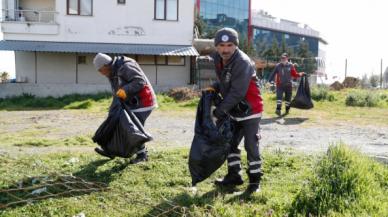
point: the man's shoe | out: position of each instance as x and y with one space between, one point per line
139 158
101 152
278 112
229 180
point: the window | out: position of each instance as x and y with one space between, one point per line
122 2
146 59
81 59
80 7
176 61
166 9
161 60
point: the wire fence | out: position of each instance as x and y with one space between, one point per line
35 189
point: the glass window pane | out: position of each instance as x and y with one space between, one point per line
86 7
159 8
172 9
73 7
146 59
176 60
161 60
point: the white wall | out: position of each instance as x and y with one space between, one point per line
61 68
113 23
87 74
56 68
25 70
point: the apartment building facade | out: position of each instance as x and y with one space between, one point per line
55 41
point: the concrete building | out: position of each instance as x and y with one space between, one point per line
55 41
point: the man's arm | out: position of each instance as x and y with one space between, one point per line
134 76
294 73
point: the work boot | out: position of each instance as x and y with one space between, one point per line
231 179
102 152
139 158
254 183
287 111
278 112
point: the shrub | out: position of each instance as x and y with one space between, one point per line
322 94
362 99
344 182
182 94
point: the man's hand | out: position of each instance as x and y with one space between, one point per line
301 74
217 113
121 94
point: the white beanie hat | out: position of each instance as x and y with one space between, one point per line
101 60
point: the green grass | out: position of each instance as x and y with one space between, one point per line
74 101
326 111
161 185
328 105
344 182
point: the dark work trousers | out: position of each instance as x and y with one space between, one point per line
249 129
287 91
142 116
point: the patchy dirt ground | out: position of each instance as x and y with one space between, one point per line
171 129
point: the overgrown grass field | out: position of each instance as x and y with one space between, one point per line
362 106
339 183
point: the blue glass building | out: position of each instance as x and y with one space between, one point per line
265 37
225 13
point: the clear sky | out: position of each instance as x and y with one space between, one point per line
355 29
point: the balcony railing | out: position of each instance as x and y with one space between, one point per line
35 16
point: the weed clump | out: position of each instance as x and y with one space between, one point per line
344 182
362 99
322 94
182 94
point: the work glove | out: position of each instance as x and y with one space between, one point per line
209 89
217 113
121 94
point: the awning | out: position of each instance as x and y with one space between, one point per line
80 47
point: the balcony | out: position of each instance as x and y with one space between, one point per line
29 22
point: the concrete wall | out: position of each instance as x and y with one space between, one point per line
62 69
113 23
55 90
25 71
56 68
87 73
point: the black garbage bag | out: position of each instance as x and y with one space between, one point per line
210 146
121 134
302 99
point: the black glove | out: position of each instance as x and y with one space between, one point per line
219 114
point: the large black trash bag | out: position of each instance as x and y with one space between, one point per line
121 134
302 99
105 132
210 146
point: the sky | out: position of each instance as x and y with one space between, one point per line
355 30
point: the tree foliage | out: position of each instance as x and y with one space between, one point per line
4 76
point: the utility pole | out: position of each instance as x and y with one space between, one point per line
346 66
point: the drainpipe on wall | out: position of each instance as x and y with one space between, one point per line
36 68
76 68
156 70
